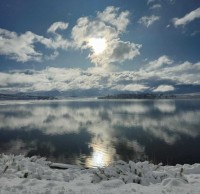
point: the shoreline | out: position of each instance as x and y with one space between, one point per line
19 174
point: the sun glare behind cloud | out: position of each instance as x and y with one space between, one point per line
98 45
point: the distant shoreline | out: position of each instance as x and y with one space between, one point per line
150 96
25 97
124 96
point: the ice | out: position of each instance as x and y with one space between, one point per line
19 174
143 173
172 182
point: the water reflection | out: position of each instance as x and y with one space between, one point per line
165 106
101 156
94 133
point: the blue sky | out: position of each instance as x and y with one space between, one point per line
100 46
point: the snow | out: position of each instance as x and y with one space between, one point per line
19 174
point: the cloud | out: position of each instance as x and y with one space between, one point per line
187 18
158 63
57 42
130 87
117 51
148 20
52 56
195 33
21 47
109 25
186 72
56 26
164 88
151 1
165 68
65 79
159 75
156 6
172 1
61 79
113 17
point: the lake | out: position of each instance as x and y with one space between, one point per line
94 133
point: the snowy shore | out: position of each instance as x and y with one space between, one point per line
19 174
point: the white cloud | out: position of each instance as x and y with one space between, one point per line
56 26
187 18
62 79
156 6
117 51
158 63
57 42
165 68
186 72
19 47
131 87
108 25
151 1
172 1
162 74
195 33
148 20
52 56
169 74
65 79
164 88
112 17
22 47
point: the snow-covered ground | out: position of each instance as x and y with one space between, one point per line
36 175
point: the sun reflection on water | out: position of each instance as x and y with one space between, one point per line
100 157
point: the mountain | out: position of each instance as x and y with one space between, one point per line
24 96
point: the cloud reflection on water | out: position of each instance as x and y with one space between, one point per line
105 122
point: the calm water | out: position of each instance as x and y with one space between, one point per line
97 132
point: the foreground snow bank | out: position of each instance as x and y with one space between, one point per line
143 173
36 175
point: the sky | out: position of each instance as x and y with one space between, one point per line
99 47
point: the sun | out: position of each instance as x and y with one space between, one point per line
98 45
